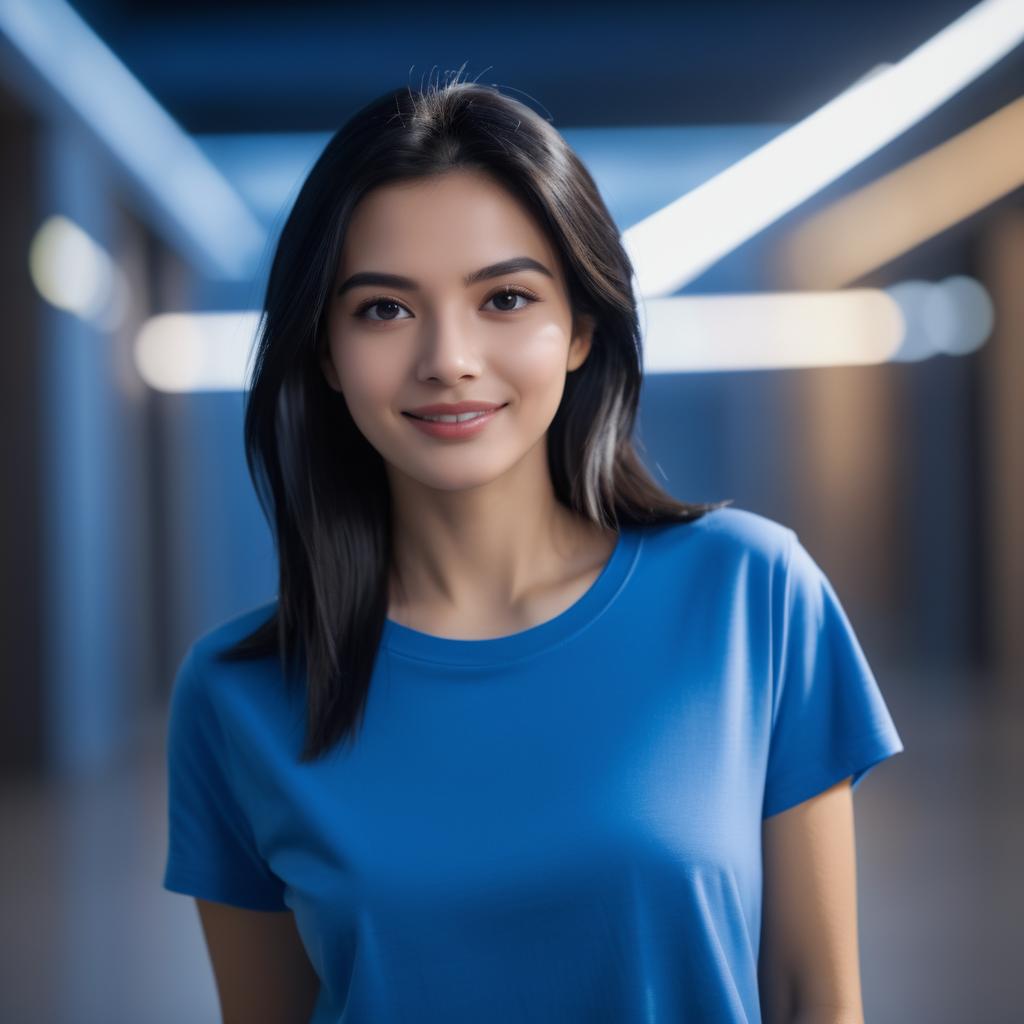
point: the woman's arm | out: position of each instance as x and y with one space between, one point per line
260 966
809 969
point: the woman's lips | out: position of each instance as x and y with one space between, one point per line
457 430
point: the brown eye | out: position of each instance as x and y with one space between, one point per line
506 298
389 308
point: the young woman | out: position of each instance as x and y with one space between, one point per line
522 737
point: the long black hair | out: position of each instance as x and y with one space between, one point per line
321 484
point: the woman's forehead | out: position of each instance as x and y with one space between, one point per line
463 219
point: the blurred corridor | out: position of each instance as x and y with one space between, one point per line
847 359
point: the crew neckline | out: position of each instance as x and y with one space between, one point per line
412 643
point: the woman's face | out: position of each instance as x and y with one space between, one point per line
395 346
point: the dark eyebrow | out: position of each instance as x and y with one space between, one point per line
509 266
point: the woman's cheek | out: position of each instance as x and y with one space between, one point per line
536 357
372 378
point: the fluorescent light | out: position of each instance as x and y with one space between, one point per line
194 201
677 243
196 351
694 334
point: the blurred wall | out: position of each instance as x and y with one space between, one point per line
22 697
1000 455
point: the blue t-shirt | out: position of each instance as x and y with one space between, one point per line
559 825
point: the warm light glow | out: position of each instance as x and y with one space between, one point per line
196 351
676 244
73 272
770 331
867 228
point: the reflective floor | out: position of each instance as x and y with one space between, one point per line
90 937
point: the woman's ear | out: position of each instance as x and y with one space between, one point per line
582 338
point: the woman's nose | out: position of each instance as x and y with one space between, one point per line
449 347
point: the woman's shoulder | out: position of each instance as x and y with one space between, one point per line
727 532
242 689
227 632
203 655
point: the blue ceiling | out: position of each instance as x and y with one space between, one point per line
222 67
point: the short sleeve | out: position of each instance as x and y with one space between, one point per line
211 849
829 719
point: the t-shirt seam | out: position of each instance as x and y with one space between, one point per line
554 646
225 885
186 871
883 731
